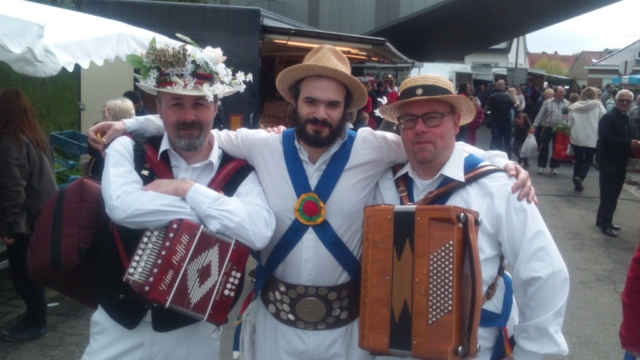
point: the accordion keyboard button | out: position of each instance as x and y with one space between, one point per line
292 293
271 297
300 289
322 291
321 326
286 299
332 296
281 287
272 308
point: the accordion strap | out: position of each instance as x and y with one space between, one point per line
476 174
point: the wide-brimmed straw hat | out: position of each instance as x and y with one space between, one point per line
430 87
324 60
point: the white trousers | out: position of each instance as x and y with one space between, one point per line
265 338
109 340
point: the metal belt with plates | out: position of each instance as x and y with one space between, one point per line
312 307
190 269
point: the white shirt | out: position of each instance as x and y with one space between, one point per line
245 216
309 263
516 229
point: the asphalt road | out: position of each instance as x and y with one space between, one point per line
597 266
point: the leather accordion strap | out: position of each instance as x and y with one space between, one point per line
477 174
401 185
474 285
491 290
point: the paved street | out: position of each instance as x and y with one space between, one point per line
597 265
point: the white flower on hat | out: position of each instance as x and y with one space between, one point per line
214 55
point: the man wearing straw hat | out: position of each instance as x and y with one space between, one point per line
430 115
188 82
318 177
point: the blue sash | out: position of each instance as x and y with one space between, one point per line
323 230
627 356
491 319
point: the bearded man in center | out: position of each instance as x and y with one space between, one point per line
318 177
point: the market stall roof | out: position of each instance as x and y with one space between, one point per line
39 40
358 48
451 29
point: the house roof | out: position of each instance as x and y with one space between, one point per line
626 53
566 60
591 56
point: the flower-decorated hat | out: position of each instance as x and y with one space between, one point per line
187 70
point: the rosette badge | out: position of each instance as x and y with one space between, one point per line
187 70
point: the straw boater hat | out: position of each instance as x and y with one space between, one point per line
433 87
186 70
324 60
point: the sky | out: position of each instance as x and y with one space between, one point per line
613 27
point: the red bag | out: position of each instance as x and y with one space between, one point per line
67 226
561 146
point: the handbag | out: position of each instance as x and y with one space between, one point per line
529 147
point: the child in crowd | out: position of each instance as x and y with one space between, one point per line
520 132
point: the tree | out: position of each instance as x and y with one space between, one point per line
551 66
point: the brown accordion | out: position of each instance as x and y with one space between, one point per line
421 282
190 269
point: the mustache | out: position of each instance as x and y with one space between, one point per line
316 121
189 125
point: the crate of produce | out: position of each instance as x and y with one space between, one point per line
70 141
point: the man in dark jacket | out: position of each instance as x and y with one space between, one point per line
615 132
501 104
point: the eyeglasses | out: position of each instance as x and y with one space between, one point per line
624 101
430 119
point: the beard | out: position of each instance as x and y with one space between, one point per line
190 142
315 138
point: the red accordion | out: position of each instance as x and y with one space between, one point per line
190 269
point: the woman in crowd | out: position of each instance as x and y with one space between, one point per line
27 181
583 121
464 89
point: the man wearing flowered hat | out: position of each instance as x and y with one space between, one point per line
429 115
318 177
188 83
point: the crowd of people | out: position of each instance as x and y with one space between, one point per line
323 161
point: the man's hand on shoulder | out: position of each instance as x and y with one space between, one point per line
179 188
523 182
102 133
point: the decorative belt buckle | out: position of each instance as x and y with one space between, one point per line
311 309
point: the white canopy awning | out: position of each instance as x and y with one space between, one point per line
39 40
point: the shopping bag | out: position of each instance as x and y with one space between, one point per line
560 147
529 147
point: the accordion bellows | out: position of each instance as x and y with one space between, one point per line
190 269
421 282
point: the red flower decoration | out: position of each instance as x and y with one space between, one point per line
310 208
